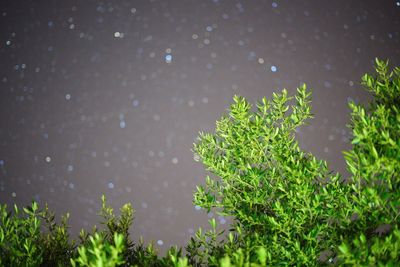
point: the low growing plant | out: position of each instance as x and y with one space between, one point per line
98 252
20 237
287 207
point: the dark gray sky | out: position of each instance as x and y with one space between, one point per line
107 97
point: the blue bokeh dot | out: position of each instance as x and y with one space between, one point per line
122 124
168 58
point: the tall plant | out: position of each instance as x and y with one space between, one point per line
284 199
374 163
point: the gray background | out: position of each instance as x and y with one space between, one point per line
108 96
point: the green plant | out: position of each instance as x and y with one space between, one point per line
374 163
99 252
277 193
55 240
33 238
287 207
94 253
286 200
19 237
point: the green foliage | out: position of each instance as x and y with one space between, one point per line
378 251
112 246
33 238
55 241
278 194
374 163
19 237
99 252
286 200
287 207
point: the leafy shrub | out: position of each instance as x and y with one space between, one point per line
98 252
374 162
19 237
287 207
55 240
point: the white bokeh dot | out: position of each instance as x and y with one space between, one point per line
70 168
122 124
168 58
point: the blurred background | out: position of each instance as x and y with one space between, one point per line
107 97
